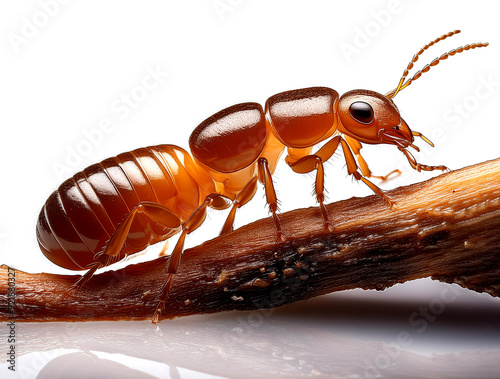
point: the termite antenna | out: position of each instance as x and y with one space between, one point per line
393 93
402 84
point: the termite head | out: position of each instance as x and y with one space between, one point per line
372 118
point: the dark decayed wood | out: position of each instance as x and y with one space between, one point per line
447 228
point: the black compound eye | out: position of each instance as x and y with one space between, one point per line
362 112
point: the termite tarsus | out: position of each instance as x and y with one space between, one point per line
102 214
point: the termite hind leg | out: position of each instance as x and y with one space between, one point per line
161 304
100 260
265 177
154 211
80 283
193 222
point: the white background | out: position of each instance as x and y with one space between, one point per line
66 68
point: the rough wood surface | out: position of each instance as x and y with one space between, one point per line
447 228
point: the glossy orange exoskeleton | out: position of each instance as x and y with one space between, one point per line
104 213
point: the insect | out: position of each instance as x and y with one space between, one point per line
123 204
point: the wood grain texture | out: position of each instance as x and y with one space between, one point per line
447 228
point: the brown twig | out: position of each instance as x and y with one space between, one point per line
447 228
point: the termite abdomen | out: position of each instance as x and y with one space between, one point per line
83 213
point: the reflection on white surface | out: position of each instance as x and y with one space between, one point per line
352 334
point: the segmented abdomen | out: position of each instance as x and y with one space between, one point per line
82 214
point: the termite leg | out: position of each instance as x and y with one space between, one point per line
315 162
100 261
193 222
154 211
320 195
352 169
266 178
373 187
164 249
365 170
308 164
417 166
243 197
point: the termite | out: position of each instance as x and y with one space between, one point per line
123 204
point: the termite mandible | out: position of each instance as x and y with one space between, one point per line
103 213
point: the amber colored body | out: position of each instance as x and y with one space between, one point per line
123 204
81 216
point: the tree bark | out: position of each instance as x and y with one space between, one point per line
446 228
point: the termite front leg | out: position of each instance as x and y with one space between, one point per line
266 178
356 146
154 211
417 166
352 169
194 221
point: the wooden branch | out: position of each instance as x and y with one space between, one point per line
447 228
